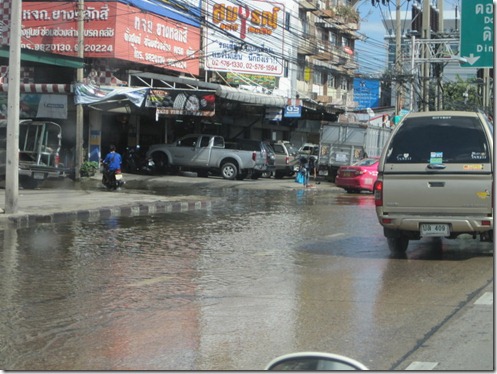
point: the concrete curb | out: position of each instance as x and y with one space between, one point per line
128 210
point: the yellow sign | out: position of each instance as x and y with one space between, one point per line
307 74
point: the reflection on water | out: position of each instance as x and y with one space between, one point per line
226 288
111 287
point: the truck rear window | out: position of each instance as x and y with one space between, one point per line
439 140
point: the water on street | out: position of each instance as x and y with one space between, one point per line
261 274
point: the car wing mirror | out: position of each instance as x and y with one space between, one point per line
310 361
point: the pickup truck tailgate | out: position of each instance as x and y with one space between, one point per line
438 194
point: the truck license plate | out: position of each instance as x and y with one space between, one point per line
38 176
435 229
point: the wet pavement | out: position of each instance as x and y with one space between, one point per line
65 200
268 268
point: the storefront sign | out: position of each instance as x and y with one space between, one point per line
293 111
37 106
111 30
246 38
182 102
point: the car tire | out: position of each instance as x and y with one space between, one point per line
242 175
278 175
229 171
256 175
28 183
160 162
398 244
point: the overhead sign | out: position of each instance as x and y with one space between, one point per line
477 30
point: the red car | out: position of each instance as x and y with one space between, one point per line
359 176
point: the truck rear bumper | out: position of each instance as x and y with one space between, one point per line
457 225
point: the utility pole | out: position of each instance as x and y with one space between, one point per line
14 91
398 59
78 152
440 67
426 34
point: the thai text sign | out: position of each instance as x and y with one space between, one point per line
245 38
111 30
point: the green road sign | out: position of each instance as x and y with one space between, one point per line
477 33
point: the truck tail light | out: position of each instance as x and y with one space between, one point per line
287 160
254 155
57 160
378 193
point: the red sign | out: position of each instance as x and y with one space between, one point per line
111 30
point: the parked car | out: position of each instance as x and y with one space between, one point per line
309 149
257 146
359 176
435 178
204 153
286 157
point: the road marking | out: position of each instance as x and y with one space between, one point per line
419 365
148 282
486 299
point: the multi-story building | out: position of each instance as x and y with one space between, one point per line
325 59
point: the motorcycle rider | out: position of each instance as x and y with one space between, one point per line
111 162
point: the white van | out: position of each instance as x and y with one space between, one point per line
435 178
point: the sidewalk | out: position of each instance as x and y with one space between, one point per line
65 200
87 200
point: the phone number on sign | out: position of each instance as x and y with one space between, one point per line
61 47
243 65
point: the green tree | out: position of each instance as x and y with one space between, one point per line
462 95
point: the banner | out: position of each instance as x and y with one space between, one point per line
33 105
182 102
91 94
52 106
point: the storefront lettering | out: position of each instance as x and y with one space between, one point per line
234 18
89 14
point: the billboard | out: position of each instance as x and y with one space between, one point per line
367 93
111 30
247 39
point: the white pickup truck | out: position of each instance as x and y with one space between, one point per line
237 159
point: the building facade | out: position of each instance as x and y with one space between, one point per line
155 71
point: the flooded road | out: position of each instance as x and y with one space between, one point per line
262 274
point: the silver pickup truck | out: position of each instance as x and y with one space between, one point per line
210 153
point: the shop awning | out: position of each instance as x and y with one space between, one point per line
230 93
42 88
45 58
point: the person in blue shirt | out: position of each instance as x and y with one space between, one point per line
111 163
113 159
